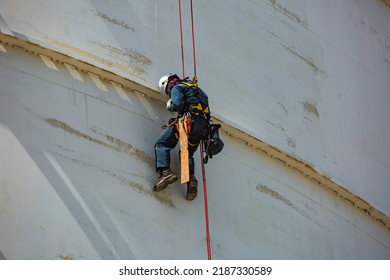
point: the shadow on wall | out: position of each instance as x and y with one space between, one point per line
2 257
41 136
81 201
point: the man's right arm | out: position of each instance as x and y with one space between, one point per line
176 101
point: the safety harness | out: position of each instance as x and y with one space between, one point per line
212 144
201 109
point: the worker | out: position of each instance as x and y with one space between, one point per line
186 98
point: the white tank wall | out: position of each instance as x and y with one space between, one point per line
284 72
77 172
309 77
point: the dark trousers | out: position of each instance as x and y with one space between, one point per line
168 140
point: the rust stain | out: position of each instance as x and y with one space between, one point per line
80 52
266 190
283 107
130 150
277 126
115 21
159 197
61 257
121 67
124 181
58 124
387 2
288 13
135 59
304 59
310 106
291 142
291 15
139 187
116 144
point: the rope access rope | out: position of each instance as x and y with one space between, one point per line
193 39
206 211
181 41
208 240
206 208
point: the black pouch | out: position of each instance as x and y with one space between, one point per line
213 144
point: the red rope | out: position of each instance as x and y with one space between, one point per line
181 41
206 208
193 38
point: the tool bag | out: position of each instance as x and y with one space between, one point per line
212 143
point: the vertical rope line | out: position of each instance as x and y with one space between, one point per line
206 208
181 41
193 38
202 147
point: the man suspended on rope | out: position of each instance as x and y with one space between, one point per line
186 98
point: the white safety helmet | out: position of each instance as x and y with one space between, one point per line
164 82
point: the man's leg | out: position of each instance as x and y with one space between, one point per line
166 142
192 185
193 142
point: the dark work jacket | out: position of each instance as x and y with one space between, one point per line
183 97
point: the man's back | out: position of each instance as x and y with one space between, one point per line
183 96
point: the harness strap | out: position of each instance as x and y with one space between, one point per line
190 84
199 110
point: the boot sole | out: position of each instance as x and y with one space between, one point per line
192 190
171 179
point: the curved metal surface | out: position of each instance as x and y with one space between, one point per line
79 117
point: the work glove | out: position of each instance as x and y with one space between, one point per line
169 103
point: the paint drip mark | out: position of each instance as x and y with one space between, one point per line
310 106
121 67
115 21
62 257
264 189
283 107
139 187
288 13
136 60
67 128
308 61
115 144
127 148
291 143
122 180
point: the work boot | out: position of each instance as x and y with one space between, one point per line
165 178
192 188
